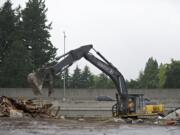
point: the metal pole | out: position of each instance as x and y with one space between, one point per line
64 96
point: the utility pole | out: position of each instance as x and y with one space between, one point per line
64 92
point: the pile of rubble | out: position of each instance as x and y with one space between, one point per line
10 107
173 117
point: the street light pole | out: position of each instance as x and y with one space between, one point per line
64 96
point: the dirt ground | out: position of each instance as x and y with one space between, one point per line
29 126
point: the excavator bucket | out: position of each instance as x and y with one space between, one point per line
35 82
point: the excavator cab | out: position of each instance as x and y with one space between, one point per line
135 103
135 106
138 107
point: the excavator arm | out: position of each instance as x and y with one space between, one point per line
37 78
117 78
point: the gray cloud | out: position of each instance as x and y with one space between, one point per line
126 32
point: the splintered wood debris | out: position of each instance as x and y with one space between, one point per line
10 107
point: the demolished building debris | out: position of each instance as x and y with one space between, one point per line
174 115
22 107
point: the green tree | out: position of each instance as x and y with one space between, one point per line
86 78
15 67
101 81
14 57
76 78
149 78
7 28
36 33
173 75
110 84
162 75
133 84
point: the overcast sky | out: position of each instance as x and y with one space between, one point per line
126 32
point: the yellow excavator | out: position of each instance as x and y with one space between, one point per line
126 105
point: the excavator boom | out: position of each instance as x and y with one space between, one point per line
37 78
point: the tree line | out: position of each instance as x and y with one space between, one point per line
158 76
25 46
83 79
153 76
24 41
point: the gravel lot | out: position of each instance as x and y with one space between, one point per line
27 126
